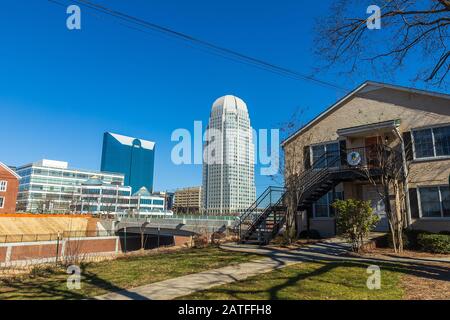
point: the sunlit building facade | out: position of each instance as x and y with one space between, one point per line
228 168
134 158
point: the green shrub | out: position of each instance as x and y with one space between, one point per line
435 243
409 239
310 234
354 220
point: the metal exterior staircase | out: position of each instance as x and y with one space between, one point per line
262 221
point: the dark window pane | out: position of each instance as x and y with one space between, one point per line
333 156
445 193
321 207
442 141
318 156
429 199
423 143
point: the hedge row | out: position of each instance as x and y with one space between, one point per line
425 241
435 243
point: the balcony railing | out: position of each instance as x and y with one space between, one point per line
362 157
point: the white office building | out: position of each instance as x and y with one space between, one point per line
49 186
228 167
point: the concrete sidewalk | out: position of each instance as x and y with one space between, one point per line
275 259
182 286
327 251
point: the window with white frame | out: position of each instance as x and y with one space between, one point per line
325 155
322 208
2 202
3 185
434 202
431 142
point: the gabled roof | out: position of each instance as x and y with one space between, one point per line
366 86
143 192
9 170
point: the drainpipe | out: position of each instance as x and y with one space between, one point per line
405 169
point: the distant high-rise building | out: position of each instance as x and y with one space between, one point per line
228 171
135 158
188 200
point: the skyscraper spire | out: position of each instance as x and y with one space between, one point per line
228 168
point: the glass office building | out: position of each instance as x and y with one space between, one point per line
134 158
98 197
51 186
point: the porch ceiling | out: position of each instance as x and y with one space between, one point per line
370 129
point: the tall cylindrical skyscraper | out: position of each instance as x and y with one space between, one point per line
228 164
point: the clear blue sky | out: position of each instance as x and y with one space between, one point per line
60 89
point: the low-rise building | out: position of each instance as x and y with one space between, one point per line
342 142
51 186
168 198
188 201
9 187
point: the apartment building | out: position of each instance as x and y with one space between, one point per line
341 140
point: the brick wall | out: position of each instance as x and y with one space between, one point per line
90 246
39 251
10 196
3 254
181 241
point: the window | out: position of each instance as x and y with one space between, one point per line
322 208
3 185
2 202
434 202
433 142
325 155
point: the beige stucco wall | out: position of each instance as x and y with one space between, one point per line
414 110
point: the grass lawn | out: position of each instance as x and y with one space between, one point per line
310 281
103 277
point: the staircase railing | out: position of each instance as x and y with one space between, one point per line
268 198
320 170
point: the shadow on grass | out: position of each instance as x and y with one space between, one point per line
45 289
330 256
51 283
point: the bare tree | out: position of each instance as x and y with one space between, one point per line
408 27
292 169
387 169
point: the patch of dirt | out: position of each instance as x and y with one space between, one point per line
280 243
432 284
406 254
419 288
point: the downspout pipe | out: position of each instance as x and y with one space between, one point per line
405 169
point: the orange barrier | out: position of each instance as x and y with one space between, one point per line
38 215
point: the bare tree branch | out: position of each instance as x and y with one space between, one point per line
409 28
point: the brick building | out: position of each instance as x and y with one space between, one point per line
9 187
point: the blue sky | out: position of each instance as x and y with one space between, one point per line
60 89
